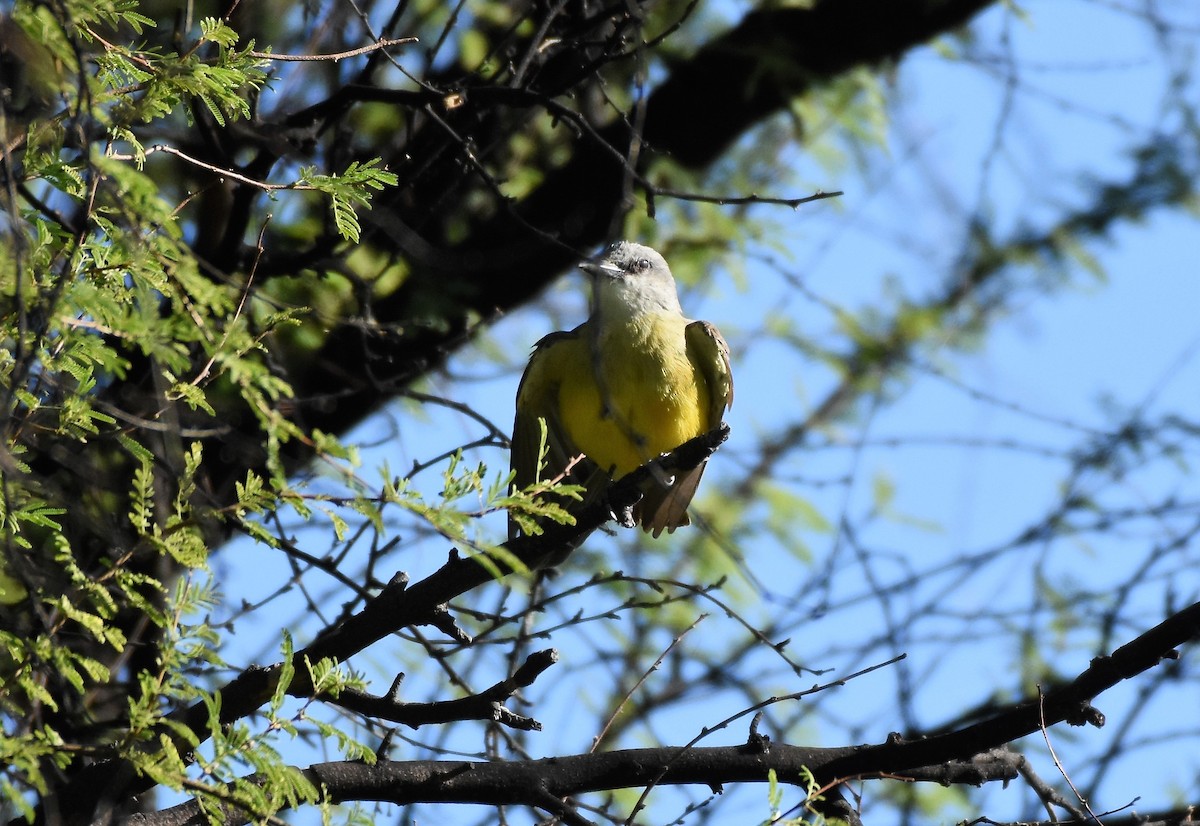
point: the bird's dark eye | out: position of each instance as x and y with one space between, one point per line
642 264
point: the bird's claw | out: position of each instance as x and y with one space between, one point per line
623 515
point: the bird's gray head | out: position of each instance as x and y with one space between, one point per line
635 277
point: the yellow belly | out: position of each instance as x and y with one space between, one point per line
642 398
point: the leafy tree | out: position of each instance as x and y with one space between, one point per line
248 251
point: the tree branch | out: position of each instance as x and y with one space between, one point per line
486 705
529 782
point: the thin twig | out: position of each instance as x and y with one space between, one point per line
228 173
642 679
1054 756
725 200
203 374
300 58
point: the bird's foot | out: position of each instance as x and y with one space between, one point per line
623 515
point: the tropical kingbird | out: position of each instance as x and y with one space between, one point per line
634 381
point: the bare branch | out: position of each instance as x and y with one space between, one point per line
486 705
529 782
302 58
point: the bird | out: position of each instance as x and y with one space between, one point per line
635 380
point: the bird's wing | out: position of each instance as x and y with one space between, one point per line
537 401
665 508
709 352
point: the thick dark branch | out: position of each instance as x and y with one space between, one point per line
531 782
776 54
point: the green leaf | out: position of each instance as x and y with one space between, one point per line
215 31
352 188
287 672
